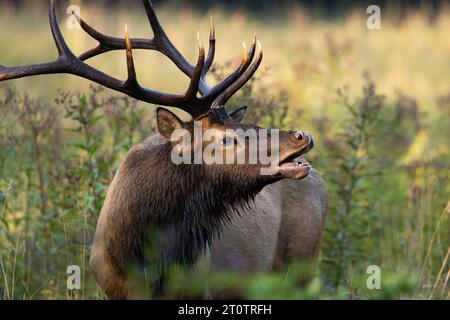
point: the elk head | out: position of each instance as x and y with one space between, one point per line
239 152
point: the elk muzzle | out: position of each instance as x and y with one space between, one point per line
293 144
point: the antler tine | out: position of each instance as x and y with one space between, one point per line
231 90
158 31
211 51
132 79
228 81
191 93
61 44
163 42
107 43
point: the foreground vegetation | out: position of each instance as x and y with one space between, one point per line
380 114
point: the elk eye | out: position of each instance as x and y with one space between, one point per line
227 141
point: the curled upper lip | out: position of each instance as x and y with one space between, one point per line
295 154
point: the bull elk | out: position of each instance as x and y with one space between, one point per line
230 214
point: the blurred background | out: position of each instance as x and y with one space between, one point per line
376 101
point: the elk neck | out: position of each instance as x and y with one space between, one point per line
175 210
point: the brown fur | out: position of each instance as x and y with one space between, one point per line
196 207
284 223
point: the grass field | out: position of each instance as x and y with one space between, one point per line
377 103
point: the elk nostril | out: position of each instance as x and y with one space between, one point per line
299 135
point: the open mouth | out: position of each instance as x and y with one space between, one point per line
294 168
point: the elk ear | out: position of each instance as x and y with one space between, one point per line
167 122
238 114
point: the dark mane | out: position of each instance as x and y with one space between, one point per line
170 213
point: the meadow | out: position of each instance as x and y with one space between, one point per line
376 101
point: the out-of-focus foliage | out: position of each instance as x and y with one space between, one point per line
383 151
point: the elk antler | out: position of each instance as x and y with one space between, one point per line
214 96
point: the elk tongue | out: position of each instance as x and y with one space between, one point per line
292 163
